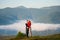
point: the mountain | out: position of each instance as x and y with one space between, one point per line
48 15
7 32
41 15
45 32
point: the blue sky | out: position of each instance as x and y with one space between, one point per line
29 3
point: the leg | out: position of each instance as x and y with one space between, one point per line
27 32
31 32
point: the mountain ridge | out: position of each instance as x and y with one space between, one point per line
41 15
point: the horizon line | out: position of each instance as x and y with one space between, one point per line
21 6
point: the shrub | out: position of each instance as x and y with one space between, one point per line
20 35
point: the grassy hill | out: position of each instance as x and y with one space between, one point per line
21 36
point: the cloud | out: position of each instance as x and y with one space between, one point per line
20 26
43 26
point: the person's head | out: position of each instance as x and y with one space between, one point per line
28 20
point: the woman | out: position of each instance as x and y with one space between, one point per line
28 26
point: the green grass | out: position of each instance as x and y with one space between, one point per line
21 36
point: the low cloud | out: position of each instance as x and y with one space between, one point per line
20 26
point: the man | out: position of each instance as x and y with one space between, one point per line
28 26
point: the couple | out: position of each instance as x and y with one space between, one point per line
28 28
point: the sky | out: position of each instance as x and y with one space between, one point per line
28 3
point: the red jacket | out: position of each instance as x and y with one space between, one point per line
29 23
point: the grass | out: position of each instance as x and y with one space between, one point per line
21 36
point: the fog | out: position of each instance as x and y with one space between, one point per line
20 26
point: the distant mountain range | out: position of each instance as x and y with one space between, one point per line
41 15
45 32
7 32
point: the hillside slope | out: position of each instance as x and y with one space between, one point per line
49 37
